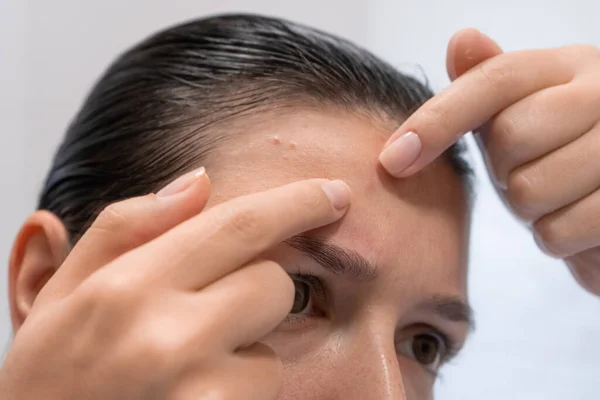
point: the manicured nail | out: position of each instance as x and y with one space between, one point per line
338 193
401 153
182 183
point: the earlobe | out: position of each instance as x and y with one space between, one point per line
40 247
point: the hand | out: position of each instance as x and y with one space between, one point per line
157 301
536 116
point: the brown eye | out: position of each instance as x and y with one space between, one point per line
426 349
301 296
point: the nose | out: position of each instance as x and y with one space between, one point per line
369 370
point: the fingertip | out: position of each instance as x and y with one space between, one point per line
468 48
398 158
461 36
184 182
189 194
339 194
453 45
202 179
200 188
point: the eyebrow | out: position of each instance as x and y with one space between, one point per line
342 261
335 259
451 308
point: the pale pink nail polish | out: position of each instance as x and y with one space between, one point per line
182 183
401 153
338 193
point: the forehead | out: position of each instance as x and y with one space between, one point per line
415 226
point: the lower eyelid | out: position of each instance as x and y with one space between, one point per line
296 323
295 319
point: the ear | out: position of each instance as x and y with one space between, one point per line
40 248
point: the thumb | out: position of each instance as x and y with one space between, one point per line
128 224
466 49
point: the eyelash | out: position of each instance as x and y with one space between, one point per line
315 283
452 346
317 287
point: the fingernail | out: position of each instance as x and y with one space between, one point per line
401 153
182 183
452 70
338 193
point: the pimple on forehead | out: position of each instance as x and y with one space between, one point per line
276 140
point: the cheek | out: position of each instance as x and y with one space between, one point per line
296 347
350 366
418 384
306 363
326 369
371 186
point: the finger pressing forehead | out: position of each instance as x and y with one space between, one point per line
229 235
473 99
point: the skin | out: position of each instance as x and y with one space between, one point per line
179 312
535 114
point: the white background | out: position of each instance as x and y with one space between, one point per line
538 334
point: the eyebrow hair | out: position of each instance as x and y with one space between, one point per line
451 308
341 261
335 259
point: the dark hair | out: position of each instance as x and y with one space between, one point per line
155 111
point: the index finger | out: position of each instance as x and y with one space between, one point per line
468 103
125 225
224 238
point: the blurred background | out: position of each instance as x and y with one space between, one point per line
538 334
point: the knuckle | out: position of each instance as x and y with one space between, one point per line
504 146
581 57
504 135
549 236
521 194
497 73
438 115
160 341
244 222
110 289
159 350
586 50
112 218
163 344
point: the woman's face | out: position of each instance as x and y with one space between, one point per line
380 295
